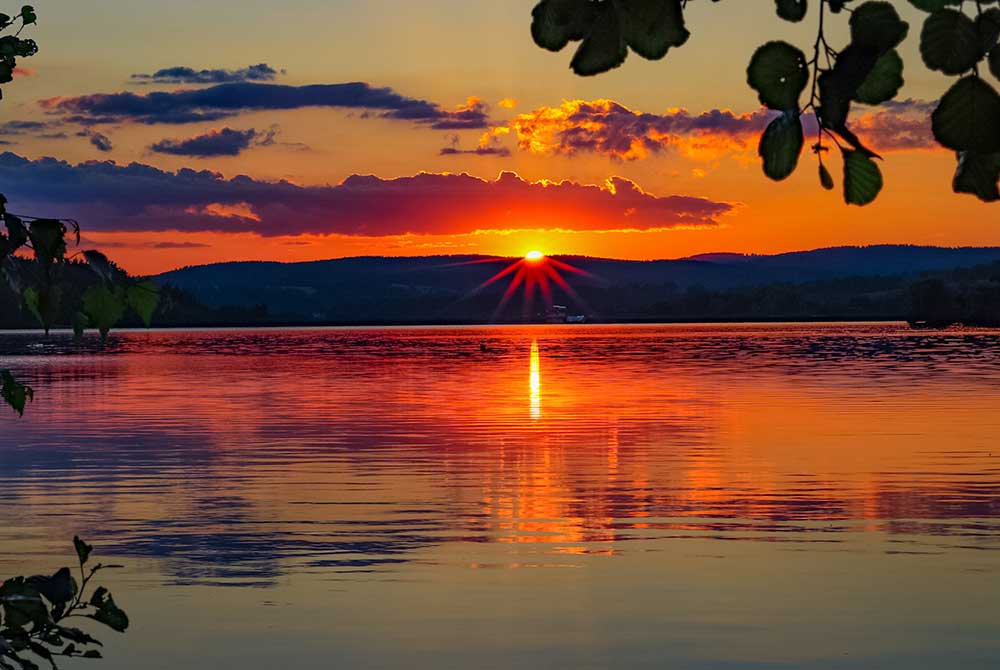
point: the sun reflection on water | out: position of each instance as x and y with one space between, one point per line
535 382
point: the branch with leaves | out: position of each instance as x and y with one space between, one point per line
958 38
34 613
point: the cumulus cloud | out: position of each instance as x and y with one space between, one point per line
187 75
228 100
610 129
105 196
224 142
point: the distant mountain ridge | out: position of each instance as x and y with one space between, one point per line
381 289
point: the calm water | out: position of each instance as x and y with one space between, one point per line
788 496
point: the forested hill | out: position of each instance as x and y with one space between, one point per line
844 281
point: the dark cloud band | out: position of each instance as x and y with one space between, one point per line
105 196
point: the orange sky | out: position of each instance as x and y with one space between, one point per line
529 103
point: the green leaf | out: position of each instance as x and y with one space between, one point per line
33 302
876 25
604 47
778 73
949 42
781 145
932 5
82 550
883 82
978 174
102 267
104 307
28 14
80 324
58 589
143 297
862 178
825 178
792 10
652 27
968 117
14 393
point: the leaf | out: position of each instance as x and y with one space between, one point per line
76 635
652 27
988 29
608 29
58 589
108 612
781 145
778 73
14 393
792 10
22 604
32 302
825 178
17 233
883 82
28 15
978 174
143 297
104 307
48 239
968 117
82 550
80 324
604 47
862 178
102 267
556 23
932 5
876 25
949 42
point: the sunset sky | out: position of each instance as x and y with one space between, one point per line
333 128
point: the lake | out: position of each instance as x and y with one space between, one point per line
721 496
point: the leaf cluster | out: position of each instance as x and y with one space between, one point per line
13 47
34 613
866 71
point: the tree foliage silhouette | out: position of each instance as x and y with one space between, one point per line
868 71
47 239
34 613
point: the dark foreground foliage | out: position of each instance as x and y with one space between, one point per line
958 39
36 614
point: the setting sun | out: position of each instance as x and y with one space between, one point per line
534 256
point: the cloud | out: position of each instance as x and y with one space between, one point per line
228 100
22 127
508 103
610 129
100 141
105 196
187 75
224 142
488 145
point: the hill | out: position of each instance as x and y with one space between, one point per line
853 282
